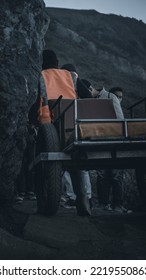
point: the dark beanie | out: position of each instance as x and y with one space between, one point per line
49 59
86 83
69 67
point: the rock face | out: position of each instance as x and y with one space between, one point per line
22 28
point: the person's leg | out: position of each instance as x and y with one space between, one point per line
103 187
68 199
67 184
87 183
21 184
82 202
117 187
29 157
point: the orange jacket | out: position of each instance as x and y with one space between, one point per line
55 82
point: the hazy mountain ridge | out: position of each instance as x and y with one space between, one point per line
102 29
109 50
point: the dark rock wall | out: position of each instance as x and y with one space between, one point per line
23 25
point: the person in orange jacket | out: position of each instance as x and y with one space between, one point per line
54 83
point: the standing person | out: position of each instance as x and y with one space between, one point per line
110 187
82 92
25 187
112 197
53 83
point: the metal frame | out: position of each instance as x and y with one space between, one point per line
118 152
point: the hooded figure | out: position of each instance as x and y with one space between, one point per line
82 90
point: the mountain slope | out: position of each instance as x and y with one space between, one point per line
109 50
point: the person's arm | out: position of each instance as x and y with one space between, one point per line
39 112
82 90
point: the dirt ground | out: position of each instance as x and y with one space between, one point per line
105 235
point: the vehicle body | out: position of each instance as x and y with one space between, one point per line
86 135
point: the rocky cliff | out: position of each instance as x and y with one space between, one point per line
22 28
109 50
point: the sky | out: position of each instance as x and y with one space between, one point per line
130 8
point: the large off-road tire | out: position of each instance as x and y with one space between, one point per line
141 183
48 173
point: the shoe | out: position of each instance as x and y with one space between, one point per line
63 200
70 203
120 209
31 196
108 207
83 207
19 198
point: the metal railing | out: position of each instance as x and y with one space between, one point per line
132 107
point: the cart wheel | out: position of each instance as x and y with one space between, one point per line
141 182
48 173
